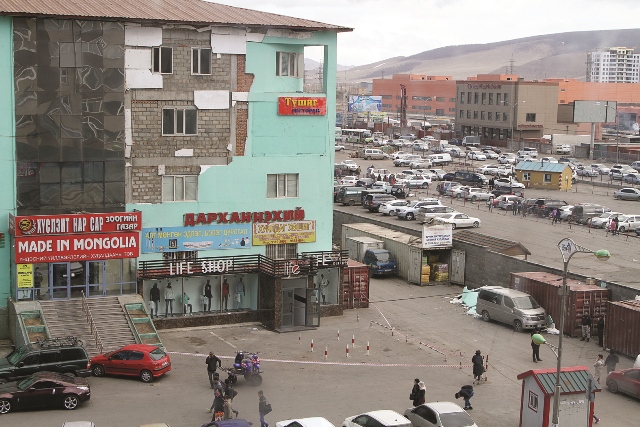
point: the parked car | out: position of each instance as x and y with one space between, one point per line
604 219
439 414
617 174
507 201
442 186
490 154
350 164
42 390
138 360
636 165
507 159
628 223
627 194
488 169
563 149
410 211
459 220
374 154
474 194
507 183
419 181
510 306
406 161
582 213
372 202
471 178
65 355
548 206
304 422
349 180
382 185
399 190
626 381
438 172
565 212
528 151
623 167
421 164
390 208
476 155
381 418
365 182
339 147
586 171
456 191
600 168
399 154
549 159
631 178
570 160
425 213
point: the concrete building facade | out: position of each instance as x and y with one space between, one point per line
613 65
426 95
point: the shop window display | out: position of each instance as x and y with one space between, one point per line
326 283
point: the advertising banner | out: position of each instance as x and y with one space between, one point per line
25 275
198 238
302 106
49 225
439 236
363 103
76 247
277 233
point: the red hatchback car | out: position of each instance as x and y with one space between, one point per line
134 360
626 381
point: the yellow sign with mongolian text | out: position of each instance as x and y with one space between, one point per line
277 233
24 275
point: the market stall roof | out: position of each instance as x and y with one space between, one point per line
495 244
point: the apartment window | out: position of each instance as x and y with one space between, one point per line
179 188
439 111
179 121
452 100
287 64
484 98
531 117
475 97
526 176
462 95
452 109
387 105
490 115
282 185
461 114
475 115
200 60
497 116
387 96
469 98
482 115
162 61
468 114
506 99
505 117
547 177
498 98
421 98
439 98
283 251
491 99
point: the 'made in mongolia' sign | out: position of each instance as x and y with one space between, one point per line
277 233
302 106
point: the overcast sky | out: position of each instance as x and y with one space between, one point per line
387 28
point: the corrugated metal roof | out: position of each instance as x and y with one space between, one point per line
574 379
495 244
384 232
541 166
182 11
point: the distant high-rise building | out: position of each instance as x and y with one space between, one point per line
614 65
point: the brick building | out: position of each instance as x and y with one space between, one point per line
426 95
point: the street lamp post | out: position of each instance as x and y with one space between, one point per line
513 116
568 248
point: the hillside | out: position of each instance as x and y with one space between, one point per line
554 55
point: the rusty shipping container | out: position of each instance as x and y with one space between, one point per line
355 285
582 298
622 326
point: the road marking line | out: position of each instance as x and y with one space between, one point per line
223 340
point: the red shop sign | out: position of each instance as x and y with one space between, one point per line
49 225
302 106
76 247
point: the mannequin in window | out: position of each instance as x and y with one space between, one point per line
225 295
169 296
186 302
154 299
239 293
323 286
207 293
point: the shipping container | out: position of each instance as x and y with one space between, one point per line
355 284
357 246
415 264
622 326
582 298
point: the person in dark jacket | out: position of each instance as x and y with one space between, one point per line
422 393
212 364
414 392
154 296
466 392
535 347
586 327
478 366
601 331
611 361
218 404
262 408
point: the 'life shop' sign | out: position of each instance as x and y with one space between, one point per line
302 106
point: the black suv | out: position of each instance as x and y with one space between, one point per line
64 355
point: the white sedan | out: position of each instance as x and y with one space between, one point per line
381 418
476 155
600 168
488 169
350 164
604 220
490 154
419 181
507 159
349 180
391 208
399 155
507 183
459 220
439 414
474 194
339 147
457 192
440 173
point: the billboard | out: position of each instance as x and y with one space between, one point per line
437 236
277 233
204 237
41 225
594 111
302 106
364 103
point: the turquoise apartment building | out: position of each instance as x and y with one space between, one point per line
158 146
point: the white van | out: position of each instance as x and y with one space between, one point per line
374 154
528 151
440 159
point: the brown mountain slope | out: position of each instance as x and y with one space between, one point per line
552 55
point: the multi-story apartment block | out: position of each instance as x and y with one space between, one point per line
613 65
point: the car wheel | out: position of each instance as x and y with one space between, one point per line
476 224
70 374
615 196
70 402
146 376
392 213
611 385
622 229
351 203
474 198
255 380
5 406
458 196
410 216
425 185
517 326
485 316
97 370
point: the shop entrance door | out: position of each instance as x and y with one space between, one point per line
59 280
287 308
96 273
312 308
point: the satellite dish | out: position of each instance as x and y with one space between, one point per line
636 127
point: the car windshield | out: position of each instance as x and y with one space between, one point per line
525 303
456 419
383 256
16 355
157 354
26 383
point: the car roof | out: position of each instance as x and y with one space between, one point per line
307 422
388 417
141 347
237 422
444 407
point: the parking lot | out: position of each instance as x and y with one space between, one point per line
538 235
301 383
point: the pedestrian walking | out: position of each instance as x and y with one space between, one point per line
516 209
601 331
217 407
478 366
611 361
490 203
264 407
586 326
535 347
228 408
597 420
614 226
422 393
414 392
212 365
467 393
230 391
598 368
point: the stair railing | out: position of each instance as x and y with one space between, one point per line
132 325
92 324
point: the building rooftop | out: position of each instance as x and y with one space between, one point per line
178 11
541 166
573 379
